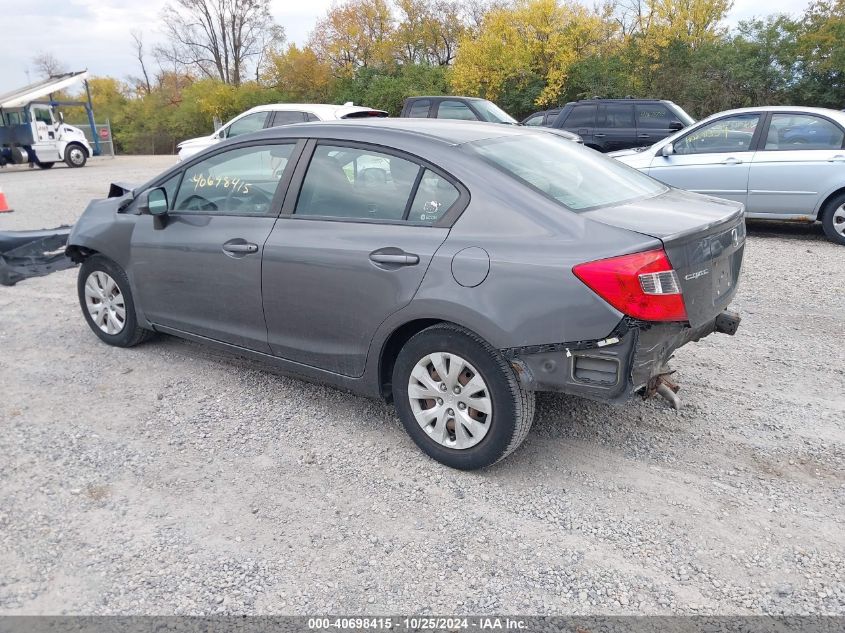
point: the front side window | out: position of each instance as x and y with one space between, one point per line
43 115
455 110
582 116
802 131
347 182
653 117
240 181
535 120
245 125
731 134
419 109
566 172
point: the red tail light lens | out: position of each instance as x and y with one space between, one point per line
641 285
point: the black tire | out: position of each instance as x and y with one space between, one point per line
512 406
833 217
75 155
131 334
45 165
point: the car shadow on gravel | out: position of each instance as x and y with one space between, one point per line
790 230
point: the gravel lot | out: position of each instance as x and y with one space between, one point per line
170 479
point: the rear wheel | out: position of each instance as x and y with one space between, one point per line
75 155
107 304
458 398
833 220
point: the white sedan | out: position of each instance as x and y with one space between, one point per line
273 115
781 162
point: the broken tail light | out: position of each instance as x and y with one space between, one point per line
641 285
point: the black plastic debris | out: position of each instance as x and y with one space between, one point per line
25 254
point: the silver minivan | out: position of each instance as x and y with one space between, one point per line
781 162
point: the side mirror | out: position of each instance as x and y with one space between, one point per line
154 202
667 150
676 125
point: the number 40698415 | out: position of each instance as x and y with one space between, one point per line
235 184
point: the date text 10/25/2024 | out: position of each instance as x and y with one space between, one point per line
416 623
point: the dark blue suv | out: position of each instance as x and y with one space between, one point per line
613 124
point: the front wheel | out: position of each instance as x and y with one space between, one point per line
107 303
459 399
75 155
833 220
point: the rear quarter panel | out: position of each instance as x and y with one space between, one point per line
530 295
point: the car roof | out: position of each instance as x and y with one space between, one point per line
320 109
839 115
448 131
625 100
446 97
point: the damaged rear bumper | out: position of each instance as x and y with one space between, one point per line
632 359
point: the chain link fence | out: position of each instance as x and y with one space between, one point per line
104 136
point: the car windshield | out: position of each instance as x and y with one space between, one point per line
576 177
493 113
683 116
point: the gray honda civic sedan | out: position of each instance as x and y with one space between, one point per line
454 268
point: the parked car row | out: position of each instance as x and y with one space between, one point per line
457 268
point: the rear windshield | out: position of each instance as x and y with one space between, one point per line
363 114
491 112
576 177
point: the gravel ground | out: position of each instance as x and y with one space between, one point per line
170 479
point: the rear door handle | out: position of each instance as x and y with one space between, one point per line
240 247
732 161
643 135
839 158
395 259
599 135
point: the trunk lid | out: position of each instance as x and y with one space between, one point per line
703 237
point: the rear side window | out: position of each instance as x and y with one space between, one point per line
240 181
653 116
618 115
455 110
582 116
802 131
311 117
435 195
286 117
346 182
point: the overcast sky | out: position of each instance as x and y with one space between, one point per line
94 34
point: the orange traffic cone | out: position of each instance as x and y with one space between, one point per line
4 206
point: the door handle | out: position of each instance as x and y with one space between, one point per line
396 259
732 161
240 248
643 135
839 158
599 135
